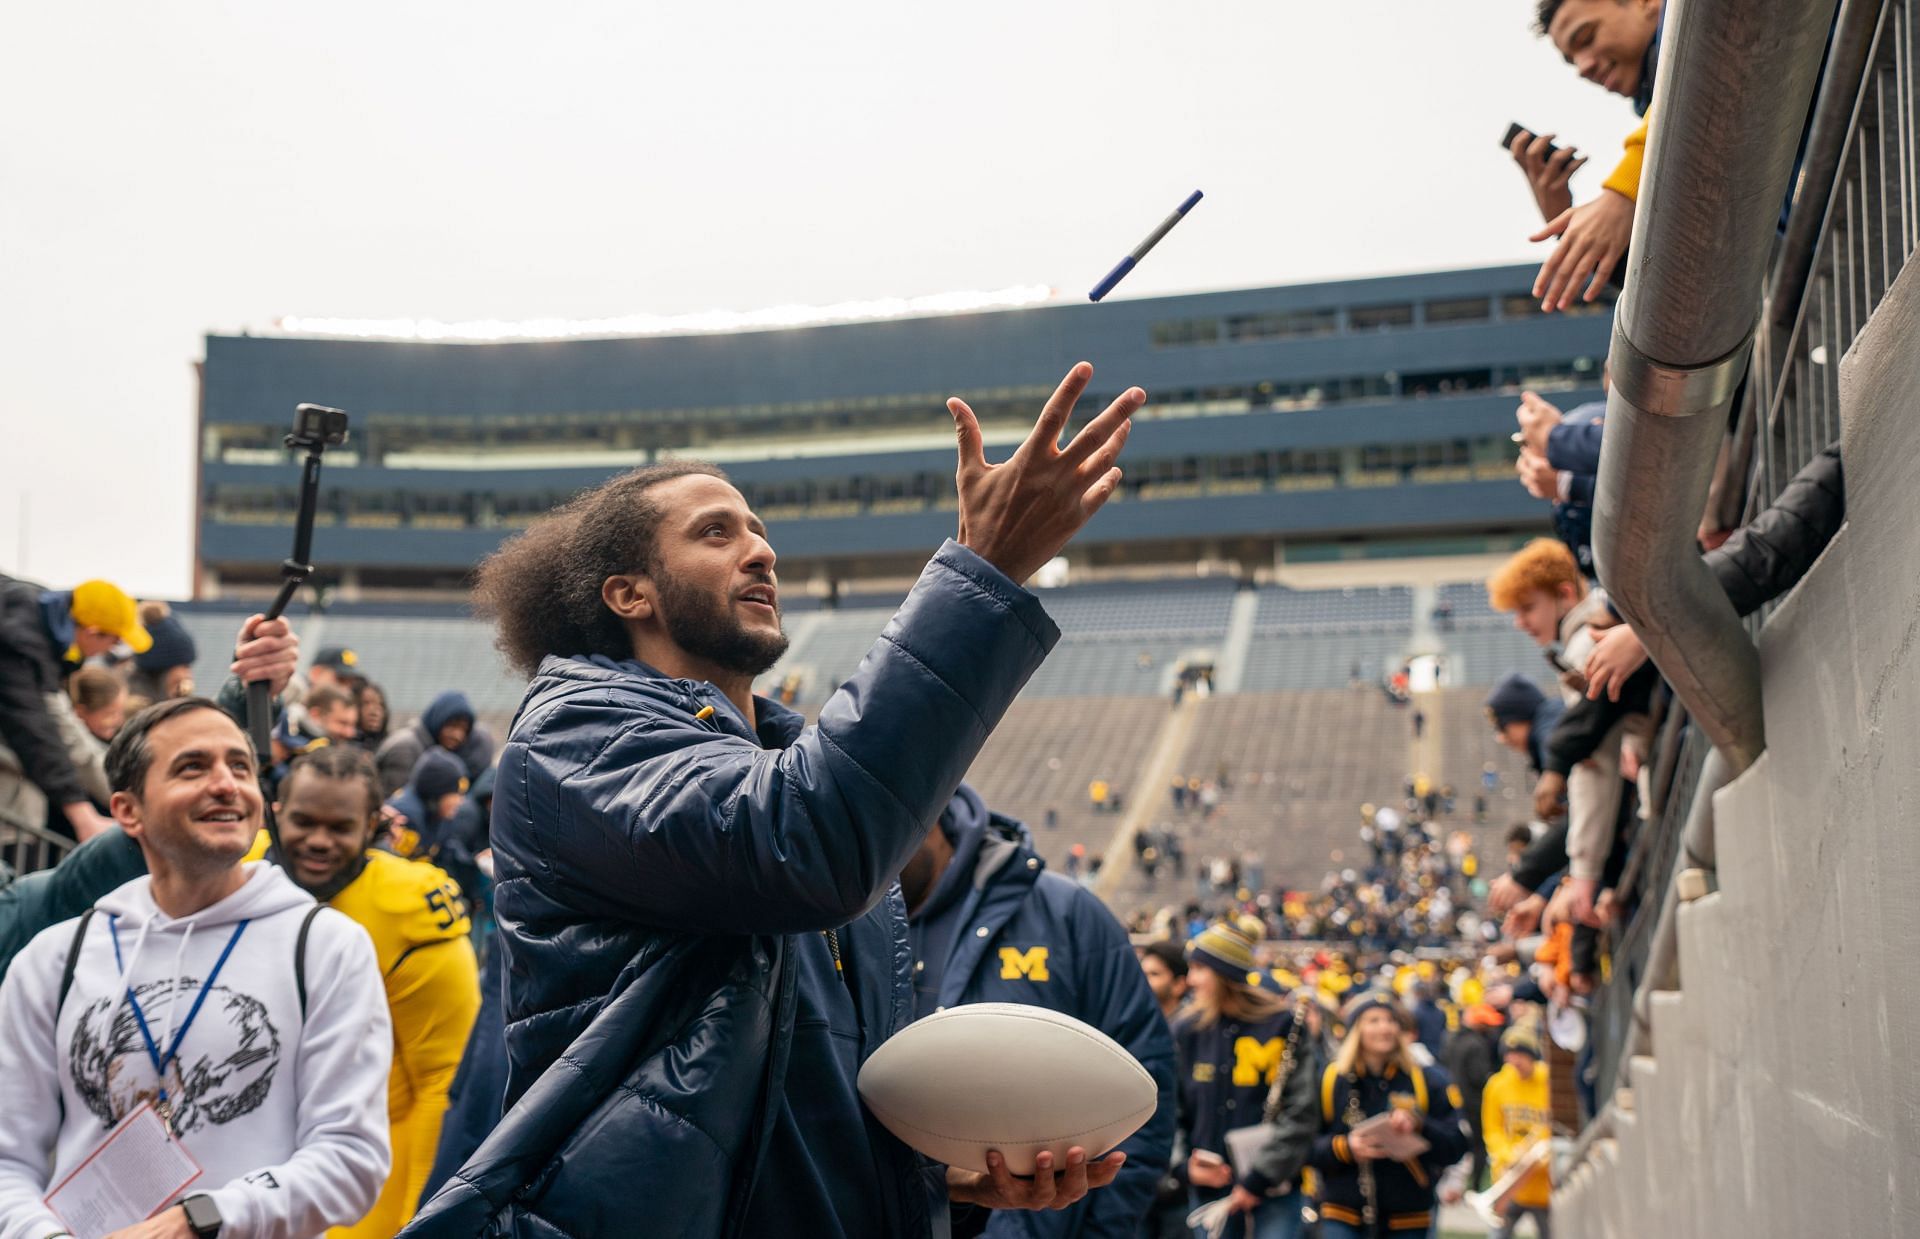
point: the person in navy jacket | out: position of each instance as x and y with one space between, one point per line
696 891
1235 1042
988 923
1364 1194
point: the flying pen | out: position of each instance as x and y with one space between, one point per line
1132 260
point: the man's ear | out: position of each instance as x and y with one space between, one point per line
629 597
126 811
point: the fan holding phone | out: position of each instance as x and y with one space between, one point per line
1548 168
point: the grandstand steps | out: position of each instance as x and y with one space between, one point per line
1155 773
1231 669
1426 596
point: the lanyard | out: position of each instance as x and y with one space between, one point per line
160 1062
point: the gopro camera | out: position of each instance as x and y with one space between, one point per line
316 427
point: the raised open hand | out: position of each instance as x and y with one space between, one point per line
1019 514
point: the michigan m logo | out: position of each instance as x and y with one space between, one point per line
1257 1062
1016 963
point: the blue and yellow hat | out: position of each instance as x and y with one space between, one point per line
1227 948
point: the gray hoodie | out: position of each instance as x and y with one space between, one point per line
286 1114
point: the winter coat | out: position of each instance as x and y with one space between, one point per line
32 670
1773 551
1028 936
400 752
1227 1070
681 1044
1404 1192
1574 445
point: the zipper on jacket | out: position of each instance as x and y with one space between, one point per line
833 949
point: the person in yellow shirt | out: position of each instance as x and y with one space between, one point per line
328 813
1615 44
1516 1114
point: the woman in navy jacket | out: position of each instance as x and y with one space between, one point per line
1363 1193
1234 1042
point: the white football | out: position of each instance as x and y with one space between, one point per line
998 1075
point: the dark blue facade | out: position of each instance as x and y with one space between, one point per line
1372 355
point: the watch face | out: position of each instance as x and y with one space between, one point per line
202 1216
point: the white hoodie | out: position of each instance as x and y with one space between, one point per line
286 1117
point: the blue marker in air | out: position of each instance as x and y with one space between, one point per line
1132 260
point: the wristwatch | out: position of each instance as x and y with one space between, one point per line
203 1217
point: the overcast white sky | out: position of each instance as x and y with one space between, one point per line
172 169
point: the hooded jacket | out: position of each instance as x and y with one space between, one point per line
400 752
681 1043
31 670
998 927
284 1112
1517 697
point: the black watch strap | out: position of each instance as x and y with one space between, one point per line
203 1216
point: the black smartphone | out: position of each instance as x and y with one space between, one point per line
1515 130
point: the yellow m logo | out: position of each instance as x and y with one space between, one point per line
1253 1060
1016 963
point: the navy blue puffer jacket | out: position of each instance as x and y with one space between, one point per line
666 872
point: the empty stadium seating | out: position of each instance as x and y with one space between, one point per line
1302 746
1047 751
1298 765
1338 610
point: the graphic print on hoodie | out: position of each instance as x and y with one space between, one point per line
223 1072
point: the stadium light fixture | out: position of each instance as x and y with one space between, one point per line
705 322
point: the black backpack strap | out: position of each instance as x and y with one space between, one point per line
73 960
300 958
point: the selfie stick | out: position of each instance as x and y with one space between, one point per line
1132 260
315 428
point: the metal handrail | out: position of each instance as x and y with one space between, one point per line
26 849
1734 85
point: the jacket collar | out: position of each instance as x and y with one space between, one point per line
778 725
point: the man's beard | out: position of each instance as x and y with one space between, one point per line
707 628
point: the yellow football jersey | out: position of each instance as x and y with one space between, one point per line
413 912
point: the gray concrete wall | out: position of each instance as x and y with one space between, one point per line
1783 1097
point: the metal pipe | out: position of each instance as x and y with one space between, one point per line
1735 80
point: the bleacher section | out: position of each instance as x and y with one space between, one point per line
1326 638
1299 765
1388 608
1302 746
1118 639
413 659
1046 752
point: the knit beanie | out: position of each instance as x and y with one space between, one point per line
1514 700
1382 999
1521 1038
172 647
438 773
1227 948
